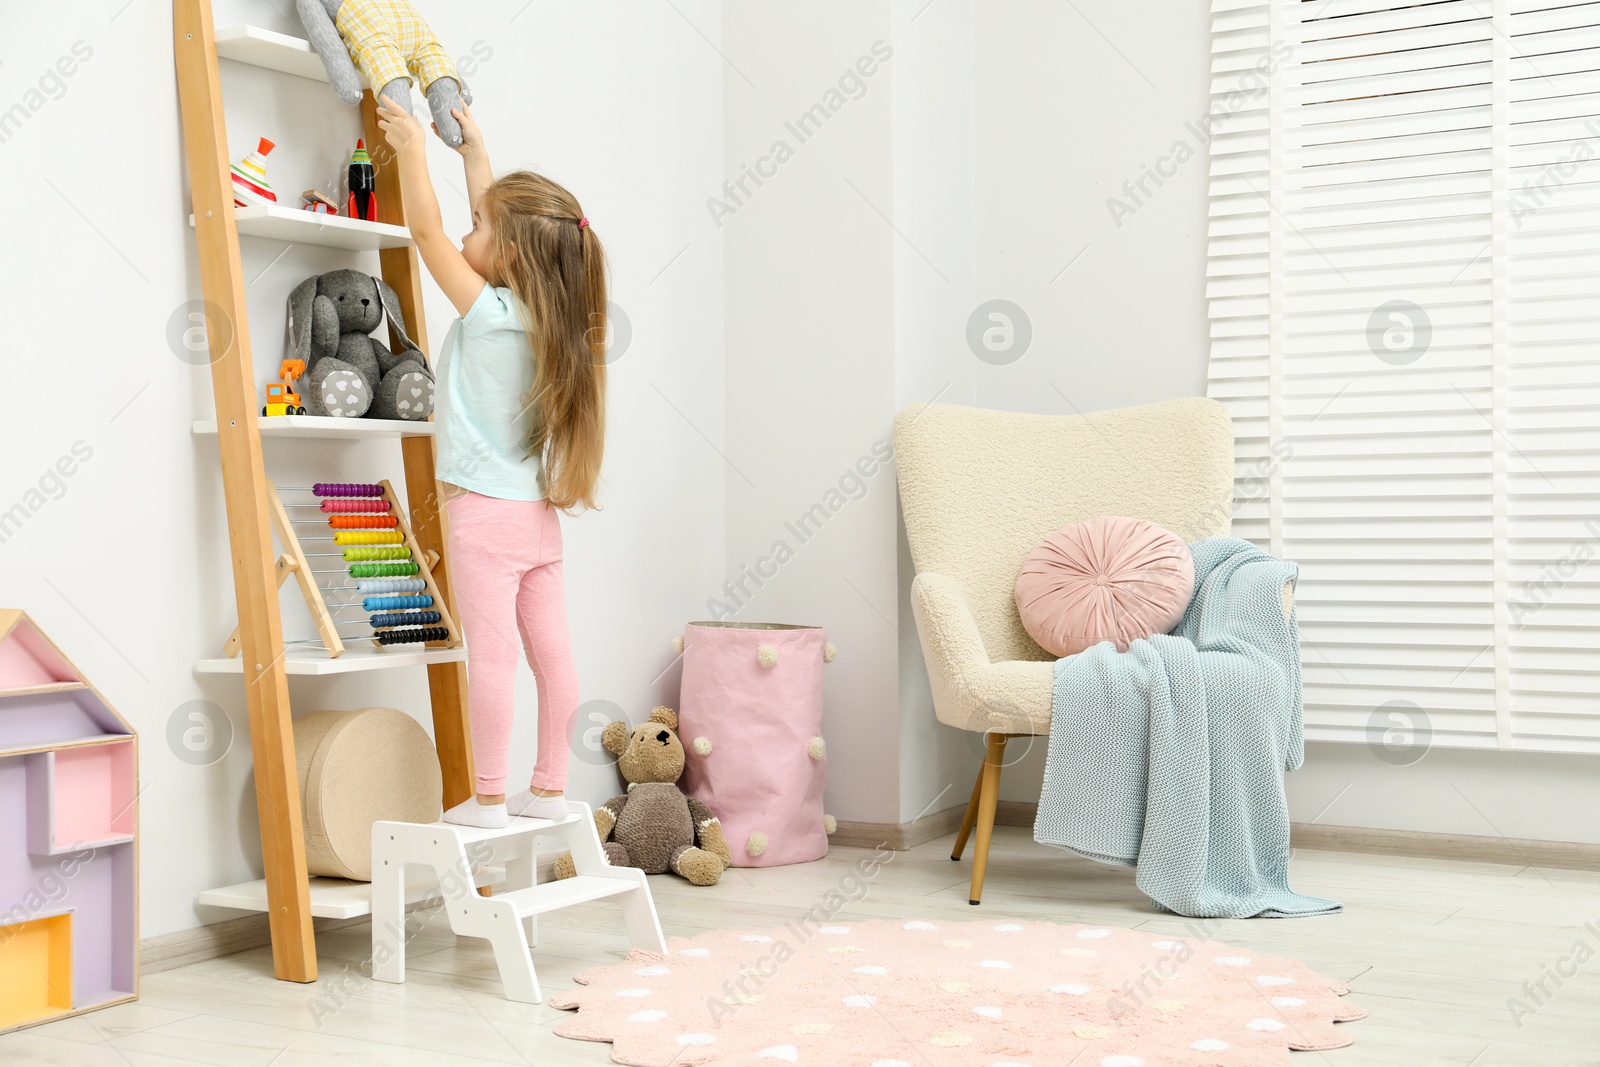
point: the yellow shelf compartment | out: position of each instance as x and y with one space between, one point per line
35 970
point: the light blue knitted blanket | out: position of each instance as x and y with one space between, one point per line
1170 757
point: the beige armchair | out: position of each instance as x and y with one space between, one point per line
979 489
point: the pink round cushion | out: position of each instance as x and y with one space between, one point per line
1109 579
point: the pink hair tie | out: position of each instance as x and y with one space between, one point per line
583 222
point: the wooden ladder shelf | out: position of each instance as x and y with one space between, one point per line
256 572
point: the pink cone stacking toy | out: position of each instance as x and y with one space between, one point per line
750 715
250 178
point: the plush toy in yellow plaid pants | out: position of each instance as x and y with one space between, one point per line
388 43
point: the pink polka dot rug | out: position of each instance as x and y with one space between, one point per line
966 994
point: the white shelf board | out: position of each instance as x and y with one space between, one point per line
322 426
334 898
279 223
359 655
275 51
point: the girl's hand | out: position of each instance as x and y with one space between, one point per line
400 128
471 137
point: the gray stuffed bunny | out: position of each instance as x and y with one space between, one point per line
348 373
389 42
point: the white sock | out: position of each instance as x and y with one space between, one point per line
529 805
471 813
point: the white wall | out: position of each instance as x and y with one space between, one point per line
1013 123
810 374
128 569
936 269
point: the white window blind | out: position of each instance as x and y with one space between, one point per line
1403 277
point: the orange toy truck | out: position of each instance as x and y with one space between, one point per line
281 397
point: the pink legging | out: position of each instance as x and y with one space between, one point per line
505 563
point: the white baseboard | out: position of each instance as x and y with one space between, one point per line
1521 852
901 836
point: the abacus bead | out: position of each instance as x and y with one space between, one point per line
422 634
404 618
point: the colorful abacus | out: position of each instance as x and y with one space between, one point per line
365 529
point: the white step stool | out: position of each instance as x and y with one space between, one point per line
507 919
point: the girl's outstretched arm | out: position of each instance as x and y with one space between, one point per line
444 260
474 156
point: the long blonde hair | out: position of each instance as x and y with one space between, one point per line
546 252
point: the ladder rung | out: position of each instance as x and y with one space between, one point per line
552 896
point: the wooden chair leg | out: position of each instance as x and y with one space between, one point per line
970 817
988 797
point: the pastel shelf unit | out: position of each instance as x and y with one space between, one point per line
69 796
287 894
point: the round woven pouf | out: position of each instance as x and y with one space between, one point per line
356 768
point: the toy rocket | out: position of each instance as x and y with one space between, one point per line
250 178
363 197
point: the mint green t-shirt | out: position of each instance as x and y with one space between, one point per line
484 374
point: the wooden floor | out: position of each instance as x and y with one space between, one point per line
1432 948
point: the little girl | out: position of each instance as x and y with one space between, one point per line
520 413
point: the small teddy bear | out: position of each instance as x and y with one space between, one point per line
654 826
348 372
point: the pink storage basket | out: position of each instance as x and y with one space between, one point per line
750 716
